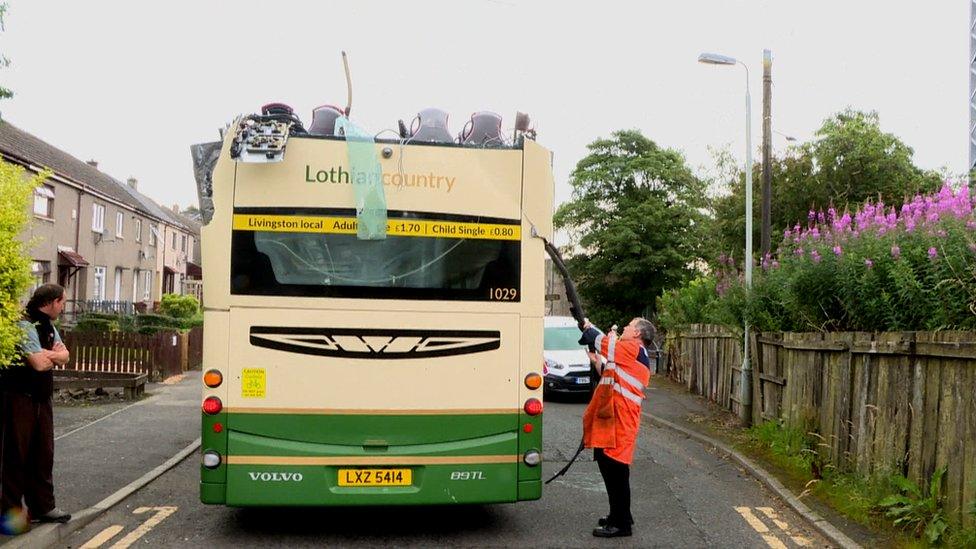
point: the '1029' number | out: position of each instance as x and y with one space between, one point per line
502 294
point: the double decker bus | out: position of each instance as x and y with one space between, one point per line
401 370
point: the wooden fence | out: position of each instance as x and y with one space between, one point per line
708 360
880 403
195 347
158 355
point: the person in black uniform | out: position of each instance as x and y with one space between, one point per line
27 437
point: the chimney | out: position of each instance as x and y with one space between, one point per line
133 182
93 163
176 208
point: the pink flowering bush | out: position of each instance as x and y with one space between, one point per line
882 268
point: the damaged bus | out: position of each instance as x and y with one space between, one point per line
373 312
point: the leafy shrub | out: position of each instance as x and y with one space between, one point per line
154 323
156 320
101 316
690 304
920 513
15 195
881 269
179 306
92 324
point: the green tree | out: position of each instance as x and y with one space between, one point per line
850 160
5 93
16 191
632 222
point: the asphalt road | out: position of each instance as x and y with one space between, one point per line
683 496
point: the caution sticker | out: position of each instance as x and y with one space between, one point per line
253 382
394 227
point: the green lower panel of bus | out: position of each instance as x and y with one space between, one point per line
320 485
363 461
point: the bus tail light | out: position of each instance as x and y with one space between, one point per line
213 378
533 407
211 459
532 458
533 381
212 405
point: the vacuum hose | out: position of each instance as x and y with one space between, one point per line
575 309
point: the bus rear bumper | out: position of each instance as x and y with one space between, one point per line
213 493
529 490
314 485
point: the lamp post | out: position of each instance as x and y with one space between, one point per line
745 380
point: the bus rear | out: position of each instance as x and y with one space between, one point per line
403 370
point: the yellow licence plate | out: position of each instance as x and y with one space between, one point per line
374 477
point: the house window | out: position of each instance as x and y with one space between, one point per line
44 201
183 243
41 272
98 218
174 240
135 285
146 284
119 220
153 235
118 283
138 236
99 293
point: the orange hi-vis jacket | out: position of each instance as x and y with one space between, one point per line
612 419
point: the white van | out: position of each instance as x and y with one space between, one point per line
567 364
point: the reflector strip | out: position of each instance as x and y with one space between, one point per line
627 394
630 379
394 227
368 460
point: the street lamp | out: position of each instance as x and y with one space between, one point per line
745 383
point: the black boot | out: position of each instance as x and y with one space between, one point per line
612 532
603 521
54 515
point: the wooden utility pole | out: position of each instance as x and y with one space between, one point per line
767 140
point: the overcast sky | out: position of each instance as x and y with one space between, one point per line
134 84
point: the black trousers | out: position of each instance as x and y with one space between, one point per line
27 455
616 477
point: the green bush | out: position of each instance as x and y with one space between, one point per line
91 324
102 316
179 306
16 191
157 321
881 269
920 513
693 303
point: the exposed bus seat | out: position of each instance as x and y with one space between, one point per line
430 125
484 128
323 120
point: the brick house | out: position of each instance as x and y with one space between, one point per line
89 232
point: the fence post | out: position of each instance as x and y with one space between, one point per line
184 351
755 403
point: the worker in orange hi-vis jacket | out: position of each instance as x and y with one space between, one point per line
612 419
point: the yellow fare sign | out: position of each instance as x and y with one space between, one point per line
394 227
